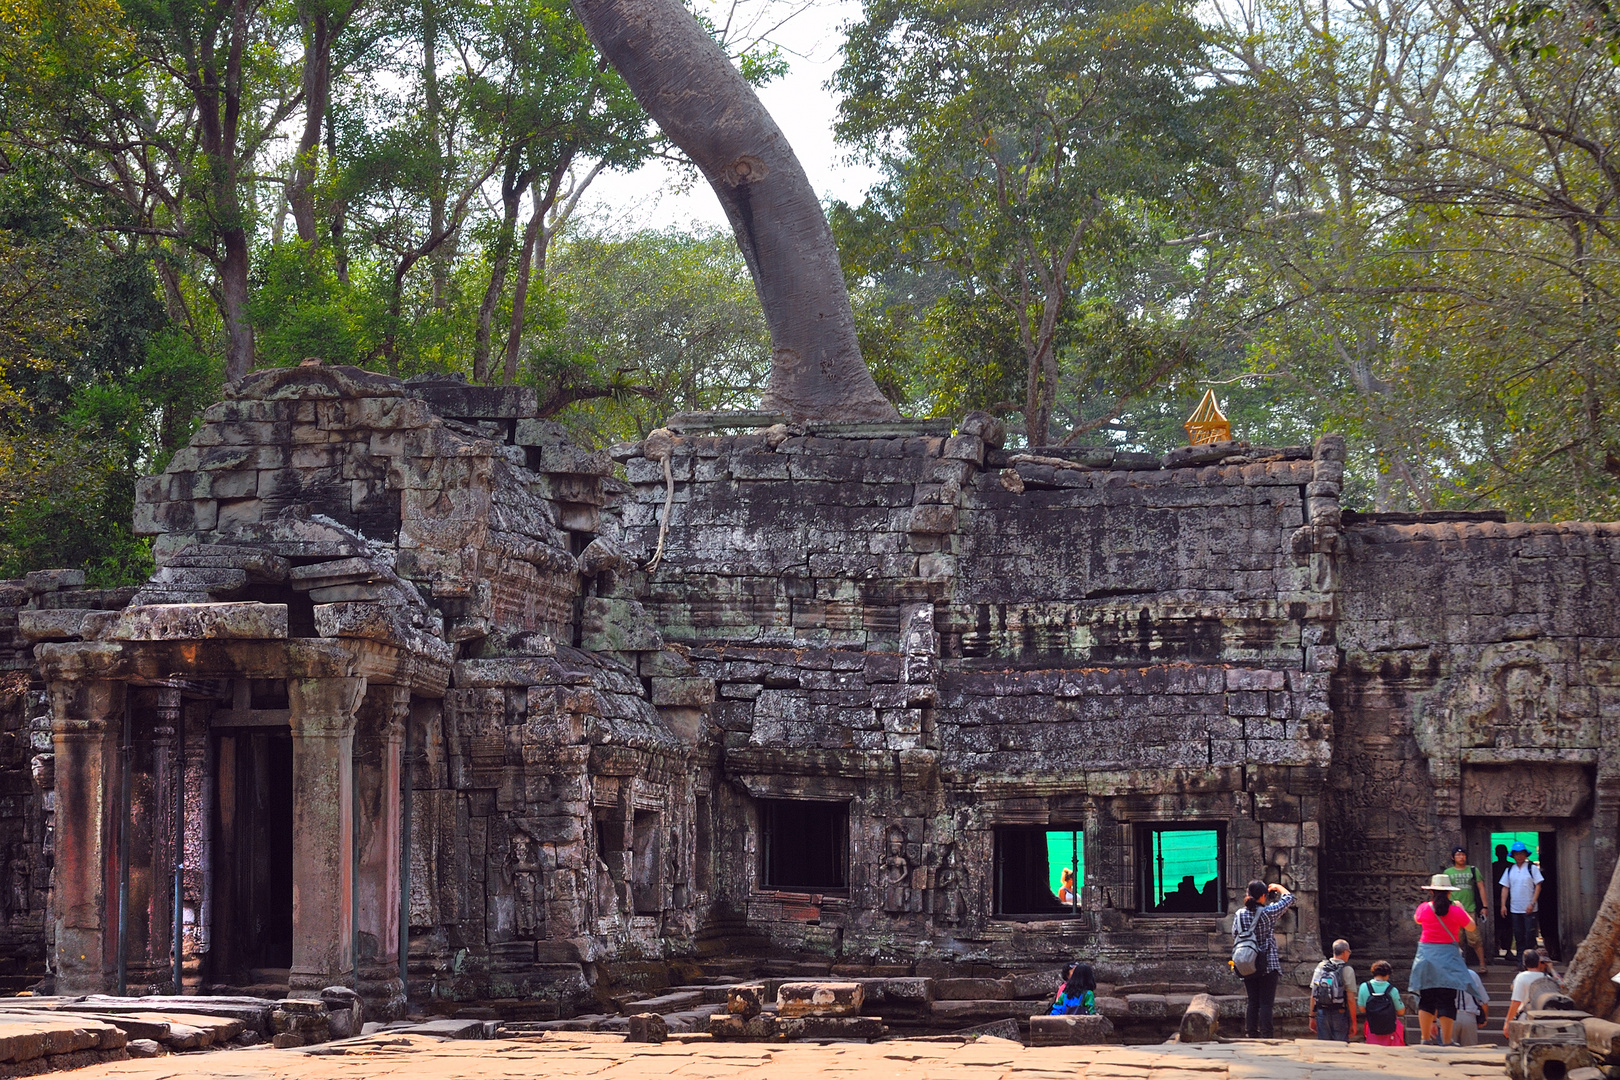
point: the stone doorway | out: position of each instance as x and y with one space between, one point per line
252 920
1562 848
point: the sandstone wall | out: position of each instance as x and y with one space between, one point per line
1480 687
953 639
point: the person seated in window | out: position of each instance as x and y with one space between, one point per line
1077 994
1066 892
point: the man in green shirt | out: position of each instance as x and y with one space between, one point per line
1470 894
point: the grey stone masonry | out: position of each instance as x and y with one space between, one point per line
416 674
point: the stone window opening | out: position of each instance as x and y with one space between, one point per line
1030 867
804 845
1181 869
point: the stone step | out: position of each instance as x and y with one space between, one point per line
45 1042
960 1014
674 1001
253 1013
444 1029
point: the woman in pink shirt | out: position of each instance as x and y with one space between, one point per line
1440 969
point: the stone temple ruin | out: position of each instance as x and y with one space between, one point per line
425 700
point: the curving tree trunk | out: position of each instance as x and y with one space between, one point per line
1590 978
684 80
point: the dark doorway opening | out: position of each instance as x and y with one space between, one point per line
804 845
253 857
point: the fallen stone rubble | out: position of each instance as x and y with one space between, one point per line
1012 1006
1555 1039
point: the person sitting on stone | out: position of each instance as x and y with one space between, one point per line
1536 968
1077 994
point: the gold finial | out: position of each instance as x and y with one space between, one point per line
1208 424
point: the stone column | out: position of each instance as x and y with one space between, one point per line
160 810
322 720
86 722
379 742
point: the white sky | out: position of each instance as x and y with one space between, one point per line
799 102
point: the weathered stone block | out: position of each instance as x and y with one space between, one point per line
984 426
59 624
173 622
690 692
745 1000
898 998
1202 1020
820 998
965 448
1069 1030
728 1028
932 519
830 1027
613 625
647 1028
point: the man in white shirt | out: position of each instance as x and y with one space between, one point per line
1535 967
1521 891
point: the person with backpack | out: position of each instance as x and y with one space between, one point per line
1468 891
1077 996
1254 953
1382 1008
1521 892
1440 969
1333 996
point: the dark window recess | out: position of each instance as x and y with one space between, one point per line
1181 869
804 845
1029 869
705 840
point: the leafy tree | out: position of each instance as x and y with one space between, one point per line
96 387
1031 150
668 320
1427 249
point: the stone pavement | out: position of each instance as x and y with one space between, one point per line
609 1057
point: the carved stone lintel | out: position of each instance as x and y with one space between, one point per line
1540 791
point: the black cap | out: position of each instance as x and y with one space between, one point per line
1459 851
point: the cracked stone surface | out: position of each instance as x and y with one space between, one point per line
573 1055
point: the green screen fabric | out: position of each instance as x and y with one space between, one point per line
1531 840
1180 853
1066 850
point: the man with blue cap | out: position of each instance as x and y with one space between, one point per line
1521 891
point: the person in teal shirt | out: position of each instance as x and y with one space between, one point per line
1382 1008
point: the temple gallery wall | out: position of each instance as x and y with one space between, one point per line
424 699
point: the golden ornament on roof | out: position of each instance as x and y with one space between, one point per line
1208 424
